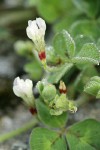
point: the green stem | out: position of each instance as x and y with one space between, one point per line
18 131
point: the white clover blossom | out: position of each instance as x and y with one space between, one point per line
23 89
36 32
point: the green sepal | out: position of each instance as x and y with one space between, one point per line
59 105
40 86
49 92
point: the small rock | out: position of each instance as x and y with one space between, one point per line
7 123
19 146
7 68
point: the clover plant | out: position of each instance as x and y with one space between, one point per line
57 92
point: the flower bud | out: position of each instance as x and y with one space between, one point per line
59 105
23 89
62 88
49 92
62 102
40 86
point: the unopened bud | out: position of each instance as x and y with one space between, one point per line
40 86
62 102
59 105
49 92
62 88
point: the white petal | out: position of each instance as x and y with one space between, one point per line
16 81
17 91
41 23
23 89
28 86
28 83
29 22
32 30
29 33
36 31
